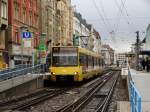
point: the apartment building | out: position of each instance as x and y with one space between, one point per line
3 30
23 15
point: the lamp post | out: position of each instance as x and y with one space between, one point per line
22 28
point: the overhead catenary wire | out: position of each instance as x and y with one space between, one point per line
112 19
106 25
120 12
112 34
104 13
101 16
127 18
116 26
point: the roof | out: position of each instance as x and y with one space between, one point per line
83 50
148 28
145 52
81 19
106 46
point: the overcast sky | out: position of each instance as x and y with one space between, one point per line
124 17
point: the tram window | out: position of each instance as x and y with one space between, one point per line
99 62
87 61
82 59
93 62
90 63
64 57
103 63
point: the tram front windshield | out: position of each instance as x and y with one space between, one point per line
64 56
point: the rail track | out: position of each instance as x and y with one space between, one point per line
27 101
94 100
33 99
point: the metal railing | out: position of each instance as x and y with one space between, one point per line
135 96
17 67
22 71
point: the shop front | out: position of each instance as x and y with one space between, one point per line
20 56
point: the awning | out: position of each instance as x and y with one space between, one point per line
19 58
145 52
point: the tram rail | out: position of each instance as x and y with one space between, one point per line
80 103
25 102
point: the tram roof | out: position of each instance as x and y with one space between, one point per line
82 50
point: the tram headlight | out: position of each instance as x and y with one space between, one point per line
76 73
53 73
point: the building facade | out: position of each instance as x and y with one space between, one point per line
82 30
3 30
146 46
108 54
65 22
23 15
87 35
97 42
121 58
48 20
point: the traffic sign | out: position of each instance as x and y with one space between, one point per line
26 35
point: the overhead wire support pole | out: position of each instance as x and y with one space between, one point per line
137 50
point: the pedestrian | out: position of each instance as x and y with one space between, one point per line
147 64
125 63
117 63
143 63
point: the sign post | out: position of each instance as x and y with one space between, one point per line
42 51
43 48
22 29
26 43
26 35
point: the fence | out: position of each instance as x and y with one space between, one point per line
21 70
17 67
135 97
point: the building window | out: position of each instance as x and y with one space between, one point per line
35 41
30 18
17 40
24 1
16 5
36 5
4 10
30 3
36 20
24 15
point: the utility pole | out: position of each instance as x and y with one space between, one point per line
137 50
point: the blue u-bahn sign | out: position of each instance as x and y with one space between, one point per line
26 35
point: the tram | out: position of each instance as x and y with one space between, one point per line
74 63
